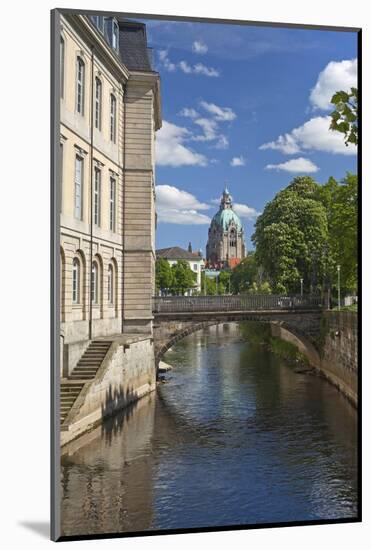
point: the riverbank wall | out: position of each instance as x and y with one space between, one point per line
126 374
335 354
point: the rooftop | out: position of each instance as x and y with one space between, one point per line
177 253
133 45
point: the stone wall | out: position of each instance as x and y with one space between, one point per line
126 374
335 353
339 351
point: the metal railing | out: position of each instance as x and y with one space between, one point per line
243 302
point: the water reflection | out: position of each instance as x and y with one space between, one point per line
235 436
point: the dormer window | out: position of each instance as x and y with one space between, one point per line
111 32
98 21
115 36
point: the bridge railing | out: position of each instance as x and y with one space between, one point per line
243 302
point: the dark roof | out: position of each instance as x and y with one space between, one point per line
176 253
133 45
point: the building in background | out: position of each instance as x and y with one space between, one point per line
109 112
195 260
226 244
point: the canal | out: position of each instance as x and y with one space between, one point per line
233 436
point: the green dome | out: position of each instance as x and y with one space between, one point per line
225 217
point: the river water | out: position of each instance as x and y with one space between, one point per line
234 436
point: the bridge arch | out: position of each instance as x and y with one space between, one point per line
281 328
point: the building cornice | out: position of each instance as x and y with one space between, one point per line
93 37
153 79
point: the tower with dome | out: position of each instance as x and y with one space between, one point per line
226 244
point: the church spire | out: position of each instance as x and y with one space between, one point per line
226 201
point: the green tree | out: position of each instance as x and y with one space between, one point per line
344 118
208 284
249 277
341 202
164 275
291 237
183 278
224 282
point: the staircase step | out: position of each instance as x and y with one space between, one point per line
92 372
91 359
85 370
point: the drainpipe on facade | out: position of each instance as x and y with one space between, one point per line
91 192
124 86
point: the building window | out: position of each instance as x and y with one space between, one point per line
111 285
195 267
61 61
97 188
79 173
115 36
76 281
98 21
94 283
113 118
112 204
80 85
98 103
232 239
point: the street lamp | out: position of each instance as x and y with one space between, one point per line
338 270
301 288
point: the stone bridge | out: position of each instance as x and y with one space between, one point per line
295 318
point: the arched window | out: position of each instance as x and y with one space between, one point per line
76 281
111 285
113 118
80 85
98 103
232 238
94 283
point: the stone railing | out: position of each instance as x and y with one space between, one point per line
243 302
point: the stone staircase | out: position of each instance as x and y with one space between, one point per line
85 370
69 393
90 362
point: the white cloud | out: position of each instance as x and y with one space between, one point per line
209 128
222 142
199 47
176 206
286 144
184 66
337 75
170 150
169 196
238 161
183 217
220 113
168 65
190 113
312 135
245 211
300 164
199 68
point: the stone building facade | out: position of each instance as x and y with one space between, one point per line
109 113
226 244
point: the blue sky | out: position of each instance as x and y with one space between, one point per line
244 106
